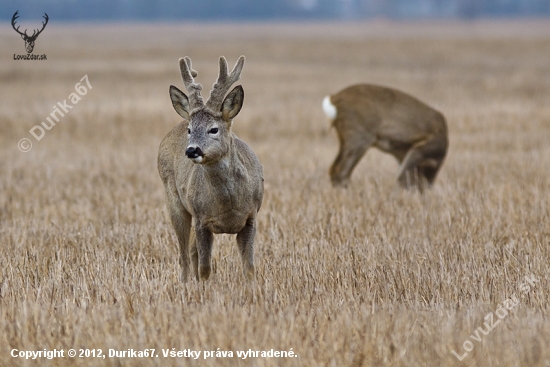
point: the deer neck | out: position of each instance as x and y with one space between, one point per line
225 171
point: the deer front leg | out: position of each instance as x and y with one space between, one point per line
204 240
409 176
421 163
245 241
181 221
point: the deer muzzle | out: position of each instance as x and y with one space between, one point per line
195 154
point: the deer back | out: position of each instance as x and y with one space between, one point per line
385 113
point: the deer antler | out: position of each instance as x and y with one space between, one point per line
43 26
223 83
34 34
15 16
194 89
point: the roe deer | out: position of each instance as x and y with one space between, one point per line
210 176
367 115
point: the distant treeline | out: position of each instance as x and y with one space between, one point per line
111 10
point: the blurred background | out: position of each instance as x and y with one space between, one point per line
130 10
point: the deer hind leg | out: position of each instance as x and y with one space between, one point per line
352 148
245 241
421 164
181 221
204 240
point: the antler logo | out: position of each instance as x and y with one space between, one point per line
29 40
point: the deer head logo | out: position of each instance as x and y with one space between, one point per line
29 40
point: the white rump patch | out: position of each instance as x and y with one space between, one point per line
329 108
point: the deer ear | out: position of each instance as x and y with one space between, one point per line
180 102
232 103
23 36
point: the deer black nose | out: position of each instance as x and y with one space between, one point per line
194 152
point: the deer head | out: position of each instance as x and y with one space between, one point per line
29 40
209 134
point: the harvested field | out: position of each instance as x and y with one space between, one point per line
365 276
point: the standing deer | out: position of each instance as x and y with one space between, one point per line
210 176
29 40
396 123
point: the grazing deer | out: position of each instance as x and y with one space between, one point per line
29 40
209 174
368 115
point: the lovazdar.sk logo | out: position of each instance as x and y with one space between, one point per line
29 40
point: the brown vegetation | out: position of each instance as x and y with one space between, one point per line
367 276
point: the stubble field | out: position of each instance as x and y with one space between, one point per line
366 276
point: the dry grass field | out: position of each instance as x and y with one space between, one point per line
365 276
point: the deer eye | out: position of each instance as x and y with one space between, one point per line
213 130
189 131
